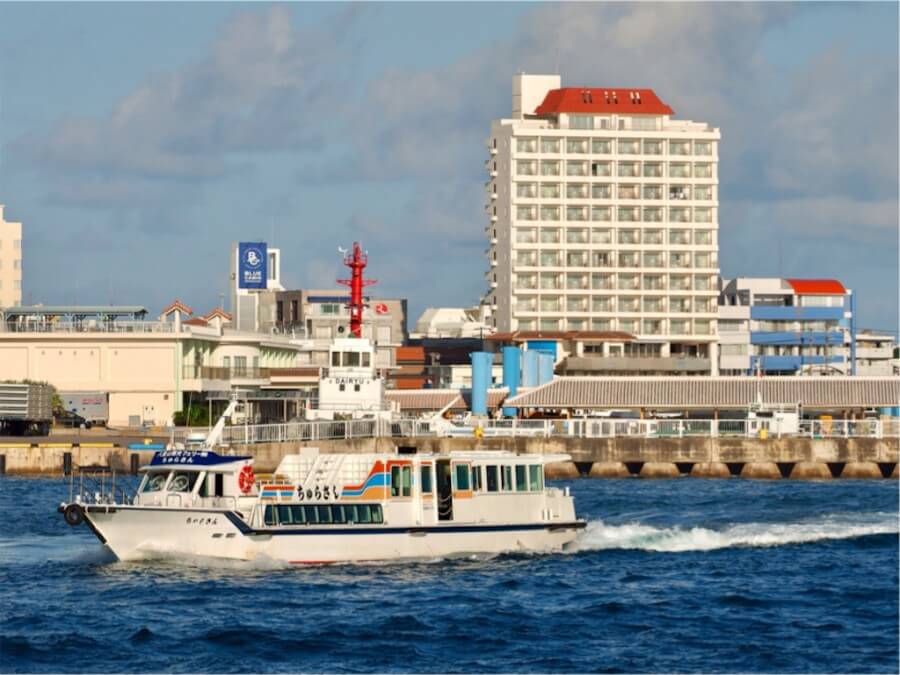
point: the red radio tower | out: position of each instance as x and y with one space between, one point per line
356 260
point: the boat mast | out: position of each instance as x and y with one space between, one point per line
356 260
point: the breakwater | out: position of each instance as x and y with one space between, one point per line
617 457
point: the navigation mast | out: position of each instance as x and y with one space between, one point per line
356 260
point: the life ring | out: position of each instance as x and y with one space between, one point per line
74 514
246 479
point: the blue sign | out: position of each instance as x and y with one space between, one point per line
194 457
252 267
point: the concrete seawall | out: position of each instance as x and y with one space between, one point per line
798 458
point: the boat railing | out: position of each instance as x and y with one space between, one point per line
93 485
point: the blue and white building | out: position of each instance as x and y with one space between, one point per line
786 327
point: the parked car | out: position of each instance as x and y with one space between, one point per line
70 418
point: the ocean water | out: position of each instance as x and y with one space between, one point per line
670 576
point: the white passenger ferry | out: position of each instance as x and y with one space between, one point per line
323 508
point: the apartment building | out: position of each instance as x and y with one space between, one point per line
603 216
10 262
786 327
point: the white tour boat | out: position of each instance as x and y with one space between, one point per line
323 508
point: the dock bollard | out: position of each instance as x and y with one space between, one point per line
135 463
67 463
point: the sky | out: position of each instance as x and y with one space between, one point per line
138 140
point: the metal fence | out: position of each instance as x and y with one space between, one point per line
547 428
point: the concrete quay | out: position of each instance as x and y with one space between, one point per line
724 457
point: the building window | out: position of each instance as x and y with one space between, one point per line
581 121
550 145
550 168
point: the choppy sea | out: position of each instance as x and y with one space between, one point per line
670 576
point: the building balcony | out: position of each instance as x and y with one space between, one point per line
768 363
783 313
797 338
245 375
643 364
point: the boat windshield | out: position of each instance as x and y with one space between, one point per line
183 481
155 481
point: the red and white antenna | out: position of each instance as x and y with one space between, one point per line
356 260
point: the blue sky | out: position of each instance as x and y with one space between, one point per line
138 140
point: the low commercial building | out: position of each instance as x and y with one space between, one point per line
786 327
150 369
876 354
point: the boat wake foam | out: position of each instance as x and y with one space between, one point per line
638 536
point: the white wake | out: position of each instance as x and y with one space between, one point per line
599 535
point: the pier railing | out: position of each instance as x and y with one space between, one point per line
547 428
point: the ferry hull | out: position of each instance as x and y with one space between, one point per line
134 533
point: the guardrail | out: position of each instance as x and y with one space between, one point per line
547 428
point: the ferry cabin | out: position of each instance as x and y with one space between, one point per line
365 490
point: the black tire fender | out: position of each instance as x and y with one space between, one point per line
74 514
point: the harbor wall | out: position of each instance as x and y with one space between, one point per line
698 456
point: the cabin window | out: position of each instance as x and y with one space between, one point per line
336 359
462 478
521 483
298 515
342 387
367 359
220 484
183 481
270 515
476 478
363 513
285 516
535 478
426 479
351 359
376 514
312 515
401 480
155 482
337 514
507 479
493 482
324 513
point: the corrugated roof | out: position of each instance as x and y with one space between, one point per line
435 399
817 286
602 100
710 392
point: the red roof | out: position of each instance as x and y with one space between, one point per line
598 100
179 306
817 286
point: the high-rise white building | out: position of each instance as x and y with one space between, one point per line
10 262
603 215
